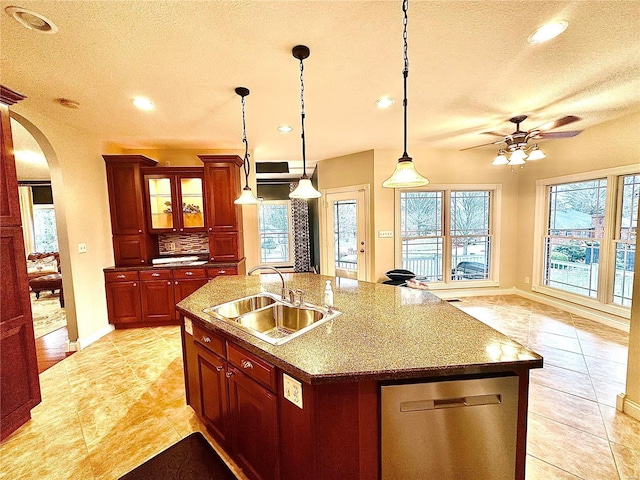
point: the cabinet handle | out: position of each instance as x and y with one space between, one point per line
222 272
139 230
155 274
135 284
188 273
206 339
176 282
218 368
246 363
141 261
228 374
182 229
173 230
212 259
210 229
168 283
121 276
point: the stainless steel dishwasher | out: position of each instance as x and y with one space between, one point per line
457 430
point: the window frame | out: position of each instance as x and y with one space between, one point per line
495 209
290 261
604 298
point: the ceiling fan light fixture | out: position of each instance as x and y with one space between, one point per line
517 157
405 174
548 31
501 159
536 154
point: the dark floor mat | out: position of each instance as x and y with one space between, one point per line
190 458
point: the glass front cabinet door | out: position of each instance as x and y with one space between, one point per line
175 202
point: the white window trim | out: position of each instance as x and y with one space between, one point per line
494 228
540 227
291 245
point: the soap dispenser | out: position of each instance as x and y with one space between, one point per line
328 295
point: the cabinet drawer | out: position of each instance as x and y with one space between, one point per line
214 272
189 273
155 274
110 277
252 366
209 340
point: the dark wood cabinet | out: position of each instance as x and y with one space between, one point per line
223 217
255 415
188 280
232 392
157 298
174 199
123 298
19 383
132 244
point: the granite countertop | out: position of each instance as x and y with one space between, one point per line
383 333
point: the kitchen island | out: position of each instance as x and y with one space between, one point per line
311 408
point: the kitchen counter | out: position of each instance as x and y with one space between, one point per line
174 266
383 333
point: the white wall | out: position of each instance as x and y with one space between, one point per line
78 179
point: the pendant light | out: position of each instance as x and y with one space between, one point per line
246 197
304 189
405 174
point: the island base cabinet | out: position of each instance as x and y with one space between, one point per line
213 395
255 415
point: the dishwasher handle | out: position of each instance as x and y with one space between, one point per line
456 402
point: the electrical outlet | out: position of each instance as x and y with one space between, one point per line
171 246
526 280
292 390
385 233
82 248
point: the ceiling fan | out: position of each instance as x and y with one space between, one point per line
517 147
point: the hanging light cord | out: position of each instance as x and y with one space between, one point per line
246 165
304 161
405 72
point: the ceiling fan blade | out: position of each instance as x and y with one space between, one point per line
561 122
569 134
497 134
482 145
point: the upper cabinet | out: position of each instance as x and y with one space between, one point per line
223 218
132 244
175 200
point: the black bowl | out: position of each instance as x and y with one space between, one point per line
400 274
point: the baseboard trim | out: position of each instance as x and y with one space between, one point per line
86 341
472 292
596 316
627 406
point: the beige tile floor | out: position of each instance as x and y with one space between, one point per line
113 405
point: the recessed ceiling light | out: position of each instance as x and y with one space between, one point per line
385 102
548 31
31 20
143 103
285 128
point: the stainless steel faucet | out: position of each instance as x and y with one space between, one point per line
283 291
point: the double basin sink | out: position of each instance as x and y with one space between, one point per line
269 318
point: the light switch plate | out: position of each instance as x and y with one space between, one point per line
292 390
385 233
82 248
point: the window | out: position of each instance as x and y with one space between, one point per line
274 223
589 238
44 229
445 235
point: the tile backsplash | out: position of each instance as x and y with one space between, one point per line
176 244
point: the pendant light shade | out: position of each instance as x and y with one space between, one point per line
246 197
405 175
304 189
536 154
500 159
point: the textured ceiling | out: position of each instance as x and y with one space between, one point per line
471 68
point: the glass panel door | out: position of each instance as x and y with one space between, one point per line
346 234
160 203
192 202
